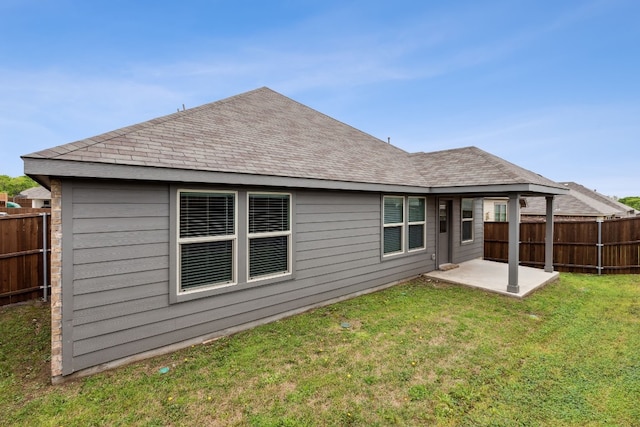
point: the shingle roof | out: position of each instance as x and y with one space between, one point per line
473 166
258 132
262 132
594 195
33 193
580 201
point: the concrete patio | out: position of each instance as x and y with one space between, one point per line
493 276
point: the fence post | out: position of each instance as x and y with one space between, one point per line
599 221
45 264
548 241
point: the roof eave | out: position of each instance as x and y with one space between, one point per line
42 170
495 190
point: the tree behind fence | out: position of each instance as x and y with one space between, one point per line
22 262
575 245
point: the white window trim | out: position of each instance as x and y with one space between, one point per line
463 220
270 234
185 240
423 223
395 224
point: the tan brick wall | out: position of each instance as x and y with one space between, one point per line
56 278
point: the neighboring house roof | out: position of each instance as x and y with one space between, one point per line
35 193
262 133
580 201
593 194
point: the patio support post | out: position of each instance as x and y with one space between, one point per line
548 242
514 242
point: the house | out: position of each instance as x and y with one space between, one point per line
211 220
495 209
579 204
38 197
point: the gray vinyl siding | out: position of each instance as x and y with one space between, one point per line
466 251
118 271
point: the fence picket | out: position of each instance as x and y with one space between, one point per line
22 263
575 250
574 245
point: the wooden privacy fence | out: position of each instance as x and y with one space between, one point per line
25 257
609 247
19 211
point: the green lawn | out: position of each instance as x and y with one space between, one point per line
422 353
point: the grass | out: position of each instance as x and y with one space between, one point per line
422 353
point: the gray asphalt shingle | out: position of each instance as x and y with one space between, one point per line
265 133
473 166
580 201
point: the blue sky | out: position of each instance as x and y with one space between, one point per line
553 86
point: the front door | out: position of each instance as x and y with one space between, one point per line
444 214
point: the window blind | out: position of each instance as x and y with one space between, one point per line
269 234
206 214
467 208
416 209
416 236
467 220
392 239
206 263
268 255
206 242
393 210
417 222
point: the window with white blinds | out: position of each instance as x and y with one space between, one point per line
417 222
467 220
206 239
404 222
393 224
269 235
